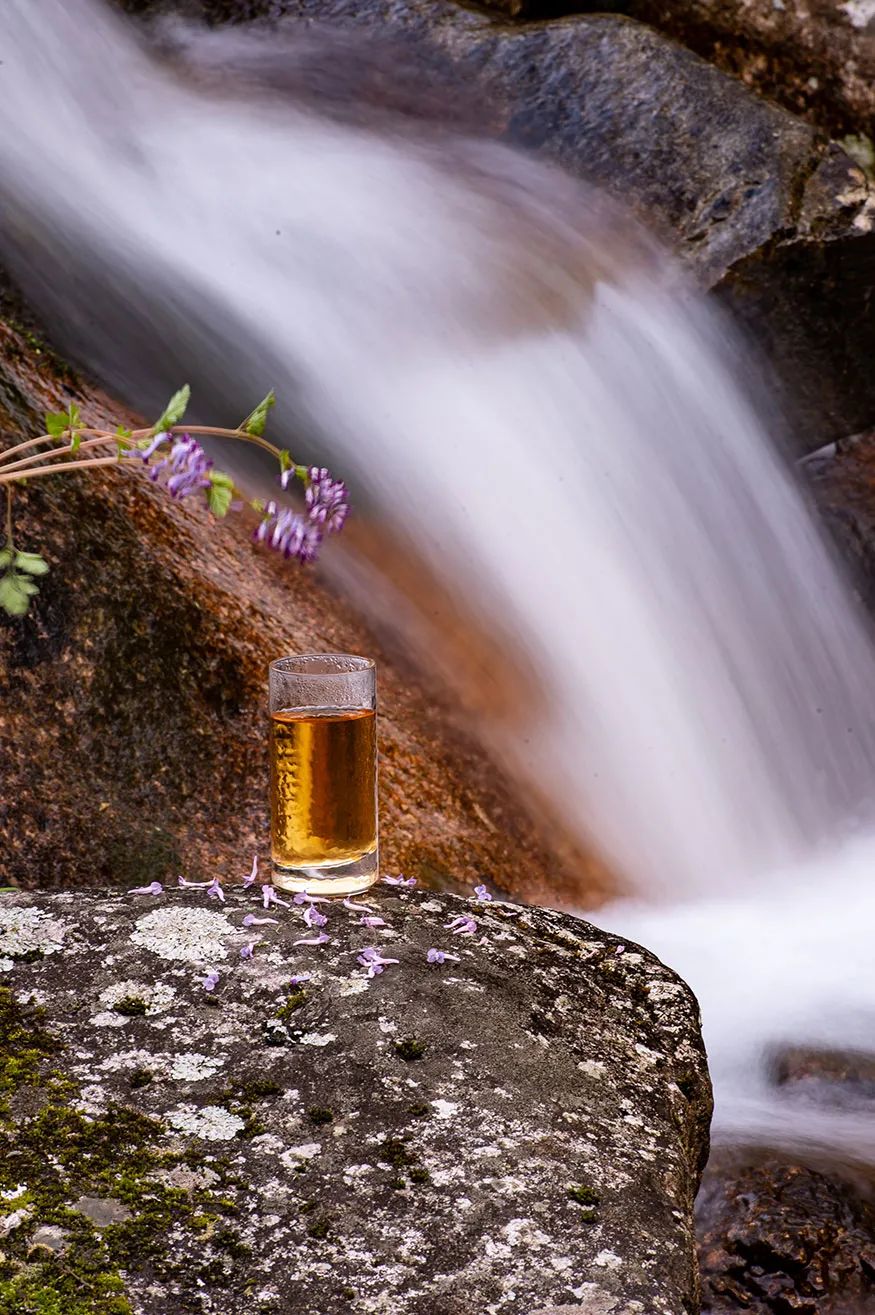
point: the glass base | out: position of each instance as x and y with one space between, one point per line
349 878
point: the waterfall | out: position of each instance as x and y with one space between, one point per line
528 392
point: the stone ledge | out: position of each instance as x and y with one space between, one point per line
516 1130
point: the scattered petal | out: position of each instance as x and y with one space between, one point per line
313 940
482 893
463 925
209 982
313 917
368 921
372 959
251 921
440 956
299 978
248 950
154 888
357 908
269 897
192 885
406 882
253 875
214 890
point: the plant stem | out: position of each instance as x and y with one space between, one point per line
56 452
9 496
58 470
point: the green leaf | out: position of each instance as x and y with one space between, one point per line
74 416
6 555
123 437
31 563
286 462
220 493
14 600
173 411
257 504
255 423
56 423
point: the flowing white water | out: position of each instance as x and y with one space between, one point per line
536 400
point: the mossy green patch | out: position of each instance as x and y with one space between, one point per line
410 1049
27 1044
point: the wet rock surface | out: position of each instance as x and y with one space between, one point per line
517 1129
778 222
133 733
778 1237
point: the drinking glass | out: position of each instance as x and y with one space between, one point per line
323 773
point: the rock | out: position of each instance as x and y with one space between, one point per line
816 59
778 222
519 1128
777 1237
102 1211
841 482
51 1237
133 699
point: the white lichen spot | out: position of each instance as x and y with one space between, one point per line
432 906
6 965
10 1223
106 1019
607 1260
191 935
212 1122
297 1154
445 1109
13 1193
524 1232
194 1067
386 1026
317 1038
355 986
22 931
354 1171
468 1045
156 996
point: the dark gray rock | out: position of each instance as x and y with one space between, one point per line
520 1129
779 223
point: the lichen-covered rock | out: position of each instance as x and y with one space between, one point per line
518 1129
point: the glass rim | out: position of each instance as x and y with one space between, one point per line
299 664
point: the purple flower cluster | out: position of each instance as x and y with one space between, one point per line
188 464
289 533
300 536
327 500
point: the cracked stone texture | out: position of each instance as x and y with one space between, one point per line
771 216
360 1173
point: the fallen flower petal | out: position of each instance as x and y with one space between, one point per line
464 925
313 917
269 896
253 875
368 921
299 978
214 890
304 897
440 956
407 882
357 908
209 982
192 885
251 921
372 959
247 951
154 888
313 940
482 893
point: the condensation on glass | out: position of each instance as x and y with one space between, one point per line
323 773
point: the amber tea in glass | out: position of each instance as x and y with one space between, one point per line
323 773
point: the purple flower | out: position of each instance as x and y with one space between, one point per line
145 453
209 982
251 921
372 959
289 533
370 921
192 885
313 940
247 951
327 500
269 896
313 917
154 888
357 908
406 882
621 949
439 956
187 462
214 890
462 926
482 893
299 978
304 897
253 875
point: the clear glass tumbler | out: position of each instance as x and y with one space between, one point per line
323 773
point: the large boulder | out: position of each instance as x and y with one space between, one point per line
133 722
519 1129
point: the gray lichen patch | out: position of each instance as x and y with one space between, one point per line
520 1128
